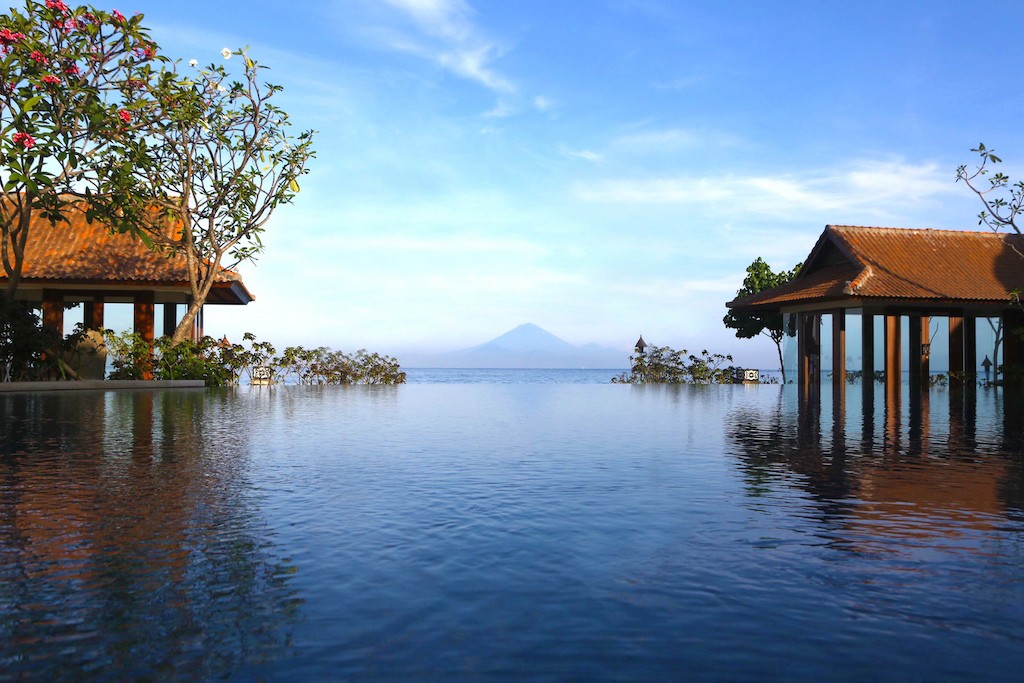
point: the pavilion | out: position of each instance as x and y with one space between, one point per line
893 274
82 262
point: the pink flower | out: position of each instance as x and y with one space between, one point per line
39 57
57 6
118 17
72 70
145 51
51 79
23 139
9 37
125 115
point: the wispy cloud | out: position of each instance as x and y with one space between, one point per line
671 139
444 32
584 154
864 184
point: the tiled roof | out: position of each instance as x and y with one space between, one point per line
80 252
902 264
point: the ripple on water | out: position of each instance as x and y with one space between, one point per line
500 531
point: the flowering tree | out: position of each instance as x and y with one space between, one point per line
216 170
73 96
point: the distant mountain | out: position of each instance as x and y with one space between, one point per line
527 346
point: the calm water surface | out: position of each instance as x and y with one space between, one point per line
507 532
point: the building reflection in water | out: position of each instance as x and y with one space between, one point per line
948 462
129 534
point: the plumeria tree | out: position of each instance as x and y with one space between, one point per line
216 171
74 98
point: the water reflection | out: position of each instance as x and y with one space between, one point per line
940 465
130 541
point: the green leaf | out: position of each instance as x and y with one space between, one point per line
31 102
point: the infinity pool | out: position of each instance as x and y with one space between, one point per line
508 532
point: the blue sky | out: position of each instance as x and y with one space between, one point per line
600 168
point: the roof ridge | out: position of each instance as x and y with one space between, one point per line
905 230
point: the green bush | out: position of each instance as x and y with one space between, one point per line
220 363
665 365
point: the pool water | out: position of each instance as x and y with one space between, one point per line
508 532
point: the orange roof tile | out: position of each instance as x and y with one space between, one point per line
86 253
929 266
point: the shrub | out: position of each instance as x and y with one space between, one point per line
665 365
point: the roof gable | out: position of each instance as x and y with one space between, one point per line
903 264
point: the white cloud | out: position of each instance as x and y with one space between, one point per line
584 154
542 103
444 32
862 185
672 139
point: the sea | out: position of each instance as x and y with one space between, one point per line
511 375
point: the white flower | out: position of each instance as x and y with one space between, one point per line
226 53
221 88
193 63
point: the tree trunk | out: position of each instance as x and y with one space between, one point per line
782 362
200 291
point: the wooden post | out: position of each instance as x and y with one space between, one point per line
170 318
893 364
93 313
956 349
1013 354
808 355
971 347
53 311
144 322
915 356
838 357
926 350
867 352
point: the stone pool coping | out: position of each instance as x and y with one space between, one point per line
100 384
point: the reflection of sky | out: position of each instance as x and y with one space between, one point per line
497 532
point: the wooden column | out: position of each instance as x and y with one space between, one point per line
808 354
53 311
918 329
170 318
1013 354
144 322
145 316
838 357
956 348
893 365
92 314
867 352
971 347
926 350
